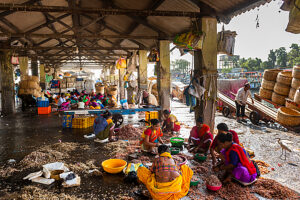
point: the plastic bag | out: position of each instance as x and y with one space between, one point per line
226 42
294 18
121 63
153 56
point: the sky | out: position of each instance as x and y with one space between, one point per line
257 42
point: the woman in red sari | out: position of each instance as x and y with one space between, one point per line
171 123
151 137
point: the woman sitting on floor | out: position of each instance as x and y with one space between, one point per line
104 127
166 180
171 123
237 163
215 147
151 137
200 138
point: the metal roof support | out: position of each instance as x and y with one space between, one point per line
81 10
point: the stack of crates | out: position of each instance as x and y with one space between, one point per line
150 115
67 121
83 122
43 106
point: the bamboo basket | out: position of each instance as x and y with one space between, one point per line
32 85
24 84
296 72
284 78
297 96
288 104
265 93
289 117
113 92
292 93
277 98
282 89
271 74
268 85
295 83
21 91
34 78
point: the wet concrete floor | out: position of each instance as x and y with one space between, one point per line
26 132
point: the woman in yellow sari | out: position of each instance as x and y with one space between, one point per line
166 180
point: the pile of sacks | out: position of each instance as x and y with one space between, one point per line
30 85
53 172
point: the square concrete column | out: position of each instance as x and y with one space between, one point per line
34 67
121 83
7 84
205 62
163 77
42 76
142 70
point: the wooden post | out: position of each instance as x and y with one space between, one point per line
34 67
142 70
23 66
121 83
205 62
164 78
7 84
42 76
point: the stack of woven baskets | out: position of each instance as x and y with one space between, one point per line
294 95
30 86
290 115
268 83
282 87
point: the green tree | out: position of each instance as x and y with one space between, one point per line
293 55
272 58
281 56
181 66
266 65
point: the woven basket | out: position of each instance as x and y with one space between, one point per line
21 91
265 93
282 89
268 85
284 78
24 84
292 93
297 96
32 85
289 117
296 72
277 98
271 74
295 83
288 104
34 78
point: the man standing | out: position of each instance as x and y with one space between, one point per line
240 102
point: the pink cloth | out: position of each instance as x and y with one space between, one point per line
228 86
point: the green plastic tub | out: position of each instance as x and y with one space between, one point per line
195 183
174 150
177 141
200 157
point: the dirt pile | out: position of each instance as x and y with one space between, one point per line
32 193
128 132
121 149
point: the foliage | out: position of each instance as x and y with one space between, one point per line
181 66
277 58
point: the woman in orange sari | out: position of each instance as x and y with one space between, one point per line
171 123
151 137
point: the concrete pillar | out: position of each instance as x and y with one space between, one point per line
164 78
205 62
142 70
34 67
7 84
23 61
42 76
121 83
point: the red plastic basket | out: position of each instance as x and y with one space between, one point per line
44 110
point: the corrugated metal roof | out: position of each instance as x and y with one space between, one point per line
117 24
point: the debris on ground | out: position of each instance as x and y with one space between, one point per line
263 166
213 180
34 192
128 132
271 189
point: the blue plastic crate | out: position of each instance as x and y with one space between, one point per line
42 103
67 121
